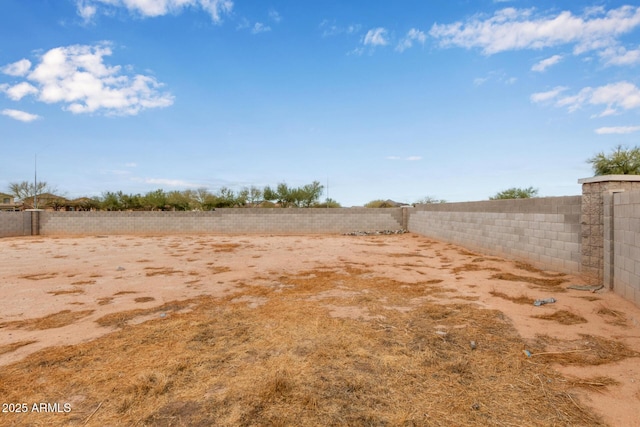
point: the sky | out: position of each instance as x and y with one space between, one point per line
395 99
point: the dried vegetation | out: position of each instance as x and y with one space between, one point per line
287 361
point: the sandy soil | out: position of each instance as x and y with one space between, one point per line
98 275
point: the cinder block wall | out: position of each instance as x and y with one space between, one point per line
544 232
15 224
622 244
277 221
594 191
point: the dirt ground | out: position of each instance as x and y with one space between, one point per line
70 296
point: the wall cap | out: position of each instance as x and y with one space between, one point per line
606 178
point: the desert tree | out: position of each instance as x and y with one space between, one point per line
329 203
309 194
154 200
25 189
621 161
516 193
428 200
379 203
179 200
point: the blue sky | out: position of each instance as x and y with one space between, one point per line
451 99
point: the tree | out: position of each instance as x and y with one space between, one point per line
179 200
155 200
269 194
110 201
379 203
309 194
254 196
25 189
516 193
284 195
329 203
428 200
621 161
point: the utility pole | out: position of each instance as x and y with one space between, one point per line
35 182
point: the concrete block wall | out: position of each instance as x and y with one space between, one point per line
15 224
594 191
544 232
622 244
277 221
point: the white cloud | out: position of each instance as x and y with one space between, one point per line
19 68
87 9
259 27
131 165
479 81
20 115
330 28
275 16
376 37
77 77
19 91
407 41
617 130
615 97
171 182
549 95
514 29
620 56
546 63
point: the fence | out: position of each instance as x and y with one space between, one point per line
544 232
596 235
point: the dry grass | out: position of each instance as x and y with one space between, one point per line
67 292
287 362
84 282
161 271
224 247
613 317
586 350
541 282
597 384
39 276
522 299
8 348
563 317
144 299
55 320
121 319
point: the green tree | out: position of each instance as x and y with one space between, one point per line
516 193
329 203
285 195
269 194
155 200
110 201
379 203
621 161
308 195
179 201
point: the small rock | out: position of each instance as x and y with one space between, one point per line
473 345
120 268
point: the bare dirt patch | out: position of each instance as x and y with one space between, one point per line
307 331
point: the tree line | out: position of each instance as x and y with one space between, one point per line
622 160
282 195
